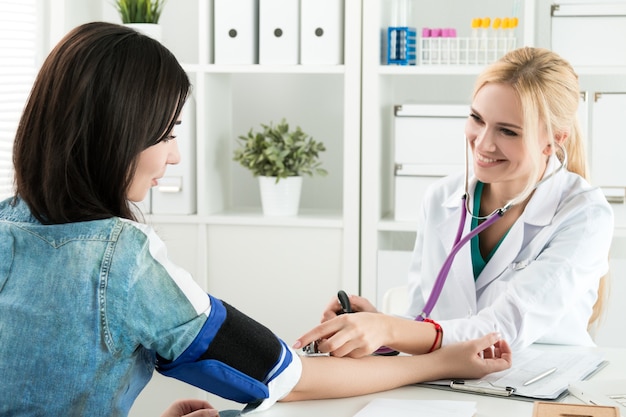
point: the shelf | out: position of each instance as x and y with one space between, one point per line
387 224
265 69
385 86
329 219
424 83
275 69
254 217
430 69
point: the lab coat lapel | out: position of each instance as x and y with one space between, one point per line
539 212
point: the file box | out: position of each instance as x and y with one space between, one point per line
590 34
321 32
279 32
236 31
428 144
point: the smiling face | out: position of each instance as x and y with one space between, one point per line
151 166
494 132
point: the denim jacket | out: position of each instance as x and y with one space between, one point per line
84 310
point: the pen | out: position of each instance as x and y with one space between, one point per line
540 376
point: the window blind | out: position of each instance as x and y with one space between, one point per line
18 55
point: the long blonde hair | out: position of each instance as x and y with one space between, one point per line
548 89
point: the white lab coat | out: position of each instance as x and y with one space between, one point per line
539 286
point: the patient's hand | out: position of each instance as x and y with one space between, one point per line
190 408
474 358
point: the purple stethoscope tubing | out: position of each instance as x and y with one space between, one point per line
459 242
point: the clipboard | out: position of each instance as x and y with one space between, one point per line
513 383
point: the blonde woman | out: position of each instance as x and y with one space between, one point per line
533 275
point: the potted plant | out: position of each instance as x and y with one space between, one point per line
142 15
279 157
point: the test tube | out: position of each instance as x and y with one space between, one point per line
484 41
426 45
454 46
494 43
472 51
436 50
512 38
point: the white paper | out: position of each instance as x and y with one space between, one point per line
411 408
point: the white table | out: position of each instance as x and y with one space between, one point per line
486 406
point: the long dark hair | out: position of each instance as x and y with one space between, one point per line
103 95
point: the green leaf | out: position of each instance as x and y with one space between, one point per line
275 150
139 11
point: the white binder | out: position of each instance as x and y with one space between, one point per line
590 34
608 146
236 31
279 32
428 144
321 32
176 192
607 151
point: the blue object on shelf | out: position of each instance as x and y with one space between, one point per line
401 45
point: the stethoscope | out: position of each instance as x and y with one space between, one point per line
460 240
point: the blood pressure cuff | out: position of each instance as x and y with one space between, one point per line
233 356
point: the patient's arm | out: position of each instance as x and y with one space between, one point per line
333 377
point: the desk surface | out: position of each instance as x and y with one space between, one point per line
486 406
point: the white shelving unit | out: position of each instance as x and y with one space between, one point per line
241 254
386 244
280 271
388 85
604 94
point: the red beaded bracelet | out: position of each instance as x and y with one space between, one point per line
439 331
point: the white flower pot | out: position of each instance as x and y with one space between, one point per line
152 30
280 198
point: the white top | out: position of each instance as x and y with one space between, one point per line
541 283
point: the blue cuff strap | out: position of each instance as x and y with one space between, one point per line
233 356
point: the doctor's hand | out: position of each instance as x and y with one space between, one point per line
190 408
353 335
357 303
474 358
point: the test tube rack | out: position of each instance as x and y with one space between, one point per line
463 50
